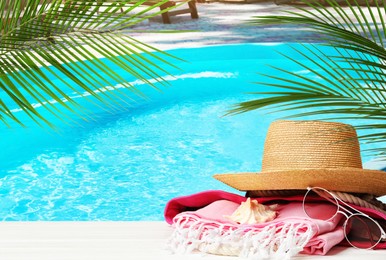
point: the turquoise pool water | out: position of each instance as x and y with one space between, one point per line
126 165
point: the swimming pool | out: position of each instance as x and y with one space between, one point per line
126 165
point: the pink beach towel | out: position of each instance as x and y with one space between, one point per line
200 225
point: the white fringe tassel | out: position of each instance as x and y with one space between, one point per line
272 242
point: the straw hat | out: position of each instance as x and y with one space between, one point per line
300 154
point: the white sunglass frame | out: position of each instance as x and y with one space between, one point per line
338 202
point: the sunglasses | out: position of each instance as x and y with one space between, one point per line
360 230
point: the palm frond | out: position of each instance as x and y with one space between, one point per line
345 71
50 48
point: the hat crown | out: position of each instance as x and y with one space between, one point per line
310 144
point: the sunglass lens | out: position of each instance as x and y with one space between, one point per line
362 232
320 205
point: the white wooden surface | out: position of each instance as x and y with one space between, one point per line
110 241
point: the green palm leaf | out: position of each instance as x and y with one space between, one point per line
346 82
50 48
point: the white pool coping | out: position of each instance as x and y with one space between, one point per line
111 241
222 23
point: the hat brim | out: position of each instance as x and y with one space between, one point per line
343 179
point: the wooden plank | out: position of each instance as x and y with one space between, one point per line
113 240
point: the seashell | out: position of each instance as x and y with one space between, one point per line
251 212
